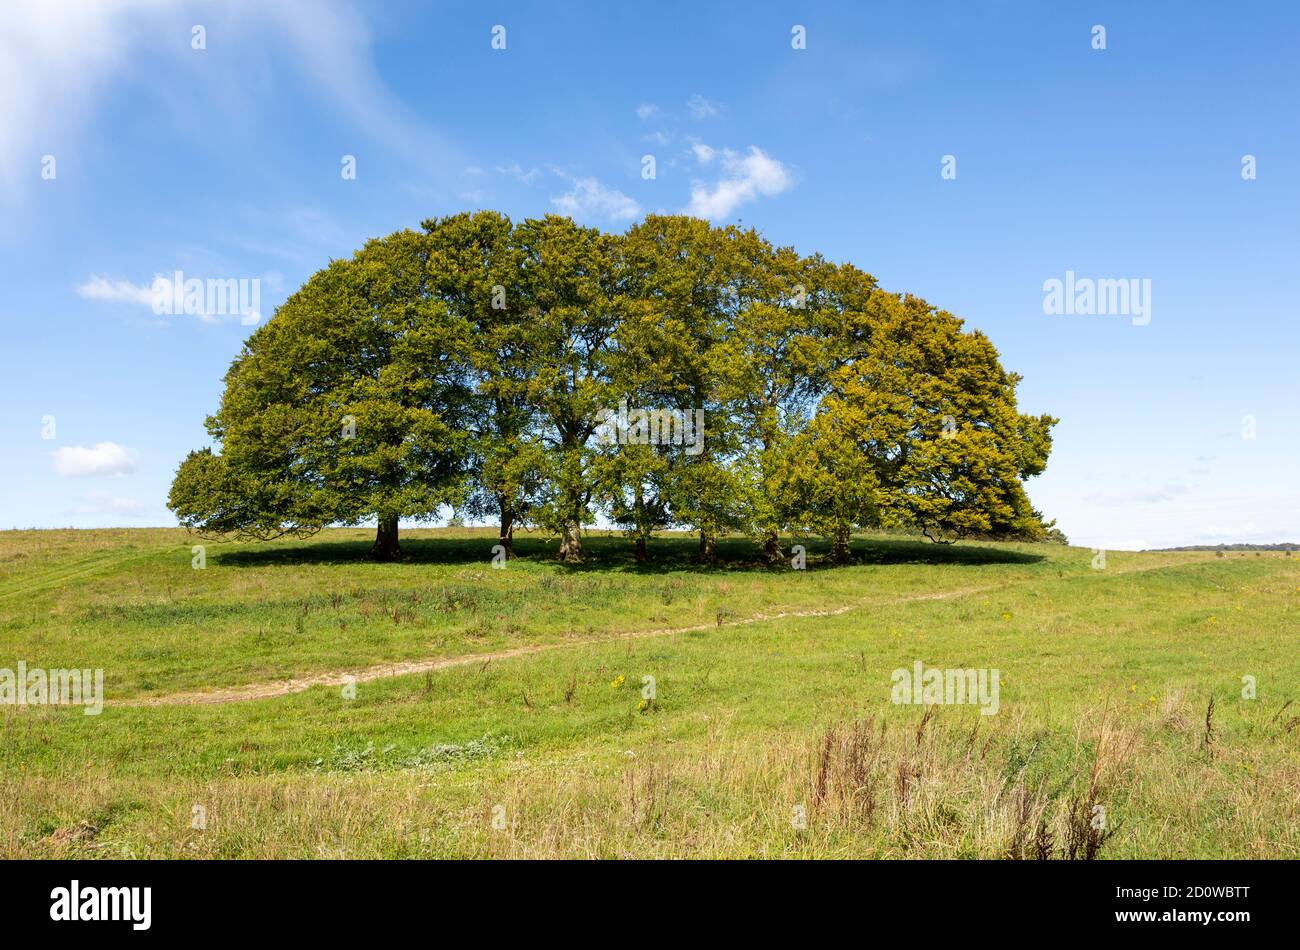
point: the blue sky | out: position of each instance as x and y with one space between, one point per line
1115 163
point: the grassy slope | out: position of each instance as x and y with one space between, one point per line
1105 680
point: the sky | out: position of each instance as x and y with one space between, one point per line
969 153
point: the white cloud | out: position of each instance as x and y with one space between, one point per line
590 199
119 291
647 110
702 108
516 171
745 177
210 299
703 153
106 458
659 138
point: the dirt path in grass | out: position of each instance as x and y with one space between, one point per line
234 694
265 690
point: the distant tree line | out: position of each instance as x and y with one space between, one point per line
1284 546
541 374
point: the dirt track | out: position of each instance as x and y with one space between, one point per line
251 691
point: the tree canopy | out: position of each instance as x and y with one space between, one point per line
677 375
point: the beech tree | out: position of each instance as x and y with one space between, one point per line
476 265
669 356
566 285
779 353
919 429
344 407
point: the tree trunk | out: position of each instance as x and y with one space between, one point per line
571 543
840 544
640 519
386 547
708 547
772 548
506 537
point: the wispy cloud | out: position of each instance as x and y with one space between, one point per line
647 110
588 198
103 459
59 58
53 57
745 178
211 300
516 171
702 108
703 153
331 45
116 291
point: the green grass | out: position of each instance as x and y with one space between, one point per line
770 738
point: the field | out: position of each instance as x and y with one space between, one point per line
295 700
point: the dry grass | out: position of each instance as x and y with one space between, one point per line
935 787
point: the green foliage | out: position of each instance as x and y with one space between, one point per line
921 430
1054 535
476 364
346 406
476 263
565 287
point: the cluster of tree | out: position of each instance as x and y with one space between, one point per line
475 364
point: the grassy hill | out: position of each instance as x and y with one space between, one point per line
294 699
